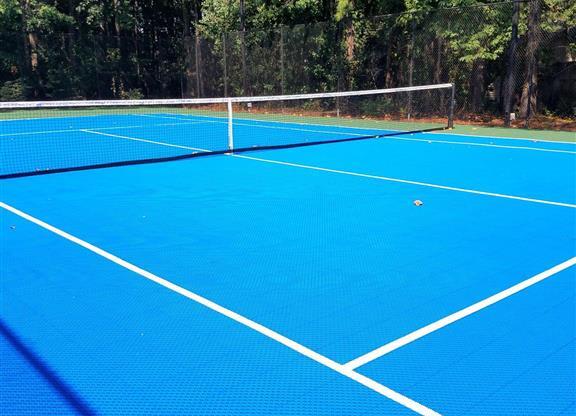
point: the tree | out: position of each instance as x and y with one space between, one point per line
530 85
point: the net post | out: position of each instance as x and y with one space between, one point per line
451 108
230 127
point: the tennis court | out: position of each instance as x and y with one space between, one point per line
291 280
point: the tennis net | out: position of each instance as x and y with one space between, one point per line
57 136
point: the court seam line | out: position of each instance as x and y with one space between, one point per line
368 132
456 316
241 319
376 128
410 182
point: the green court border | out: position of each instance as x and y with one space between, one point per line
465 129
514 133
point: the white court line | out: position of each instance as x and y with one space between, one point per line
406 181
237 123
380 128
293 345
68 117
59 118
450 319
536 149
145 141
370 131
292 122
169 117
346 127
505 138
342 172
29 118
99 128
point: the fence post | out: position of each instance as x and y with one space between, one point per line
510 79
247 90
529 105
225 64
411 64
282 63
534 39
338 39
198 64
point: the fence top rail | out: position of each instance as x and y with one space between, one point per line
12 105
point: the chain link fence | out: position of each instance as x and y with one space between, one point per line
512 62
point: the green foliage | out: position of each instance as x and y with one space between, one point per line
133 94
127 49
10 15
12 91
42 16
344 9
218 17
377 107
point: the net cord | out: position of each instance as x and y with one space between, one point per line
11 105
230 101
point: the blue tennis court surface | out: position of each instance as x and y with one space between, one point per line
301 281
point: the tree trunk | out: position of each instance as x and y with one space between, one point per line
350 39
115 6
510 80
245 75
477 80
388 72
29 50
189 57
438 48
198 64
282 64
411 46
198 47
33 42
225 63
530 85
118 80
71 38
141 81
30 40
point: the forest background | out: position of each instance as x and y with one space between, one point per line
505 58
